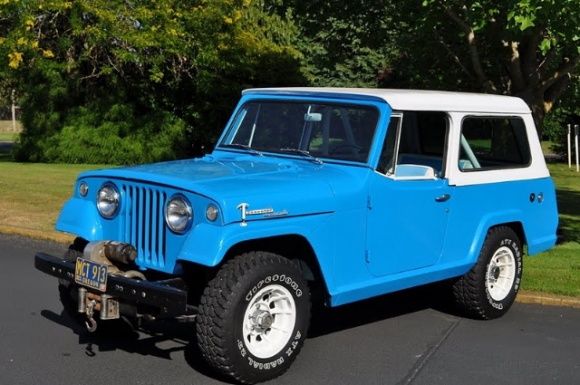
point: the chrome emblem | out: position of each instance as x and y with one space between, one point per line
243 207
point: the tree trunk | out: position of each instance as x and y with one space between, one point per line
538 113
541 100
535 101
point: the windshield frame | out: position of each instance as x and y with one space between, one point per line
239 113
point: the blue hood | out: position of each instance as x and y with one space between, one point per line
288 186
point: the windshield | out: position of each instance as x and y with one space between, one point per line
335 131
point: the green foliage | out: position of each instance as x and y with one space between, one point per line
525 48
345 43
567 112
119 135
127 82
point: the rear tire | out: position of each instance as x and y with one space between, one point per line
489 289
254 317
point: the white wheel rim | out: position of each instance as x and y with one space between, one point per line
501 273
269 321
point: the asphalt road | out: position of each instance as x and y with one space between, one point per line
408 338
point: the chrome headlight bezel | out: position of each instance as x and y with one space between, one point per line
178 206
212 212
108 200
83 189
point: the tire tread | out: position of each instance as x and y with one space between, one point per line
466 290
217 299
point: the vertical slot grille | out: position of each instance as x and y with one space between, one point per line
144 224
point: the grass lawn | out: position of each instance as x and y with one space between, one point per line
6 132
558 270
8 136
32 195
547 147
6 125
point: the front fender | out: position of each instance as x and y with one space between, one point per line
80 217
208 244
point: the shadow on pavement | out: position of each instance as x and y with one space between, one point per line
180 337
144 340
330 320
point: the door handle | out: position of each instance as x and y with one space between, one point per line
443 198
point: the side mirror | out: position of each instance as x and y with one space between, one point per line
414 172
312 117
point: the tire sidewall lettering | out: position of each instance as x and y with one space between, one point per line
276 360
514 247
283 356
283 279
494 304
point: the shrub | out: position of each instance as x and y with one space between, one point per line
119 136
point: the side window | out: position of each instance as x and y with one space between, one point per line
387 160
419 140
489 143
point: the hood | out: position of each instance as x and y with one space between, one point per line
268 186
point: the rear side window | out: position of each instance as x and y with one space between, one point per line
489 143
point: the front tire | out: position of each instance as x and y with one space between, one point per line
254 317
489 289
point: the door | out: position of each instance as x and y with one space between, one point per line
409 196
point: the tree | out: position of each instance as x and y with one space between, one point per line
126 82
567 112
345 43
525 48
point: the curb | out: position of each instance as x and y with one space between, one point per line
547 299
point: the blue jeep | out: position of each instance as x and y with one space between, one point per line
352 193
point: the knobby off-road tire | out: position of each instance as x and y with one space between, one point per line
489 289
254 317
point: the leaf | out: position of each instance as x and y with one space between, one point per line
545 45
524 22
47 53
15 59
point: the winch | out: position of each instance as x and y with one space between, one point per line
115 255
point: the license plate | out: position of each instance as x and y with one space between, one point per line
91 274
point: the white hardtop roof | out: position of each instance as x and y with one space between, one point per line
415 100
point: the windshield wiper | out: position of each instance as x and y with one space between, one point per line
240 146
303 153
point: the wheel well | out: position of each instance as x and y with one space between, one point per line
517 227
292 246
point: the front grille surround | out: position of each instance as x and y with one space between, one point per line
144 223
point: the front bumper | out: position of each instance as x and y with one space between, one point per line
163 296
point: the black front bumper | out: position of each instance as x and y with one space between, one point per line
169 301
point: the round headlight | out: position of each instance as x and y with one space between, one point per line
178 214
108 200
211 213
83 189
